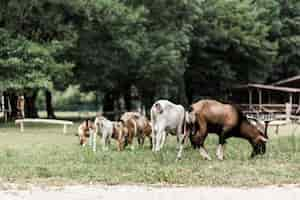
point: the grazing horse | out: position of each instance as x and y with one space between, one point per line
85 130
109 129
226 120
166 117
138 126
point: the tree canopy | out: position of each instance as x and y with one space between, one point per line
167 49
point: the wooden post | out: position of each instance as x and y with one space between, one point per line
260 99
65 129
3 107
22 127
288 109
291 99
277 129
2 104
250 99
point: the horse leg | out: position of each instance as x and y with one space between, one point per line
151 142
220 148
179 154
160 139
178 134
186 134
130 141
222 142
153 135
163 139
91 140
94 141
202 134
157 140
141 139
104 141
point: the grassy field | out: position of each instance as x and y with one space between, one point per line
42 154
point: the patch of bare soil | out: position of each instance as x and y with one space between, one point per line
138 192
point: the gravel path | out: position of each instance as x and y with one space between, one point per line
124 192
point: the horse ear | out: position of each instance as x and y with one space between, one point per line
159 108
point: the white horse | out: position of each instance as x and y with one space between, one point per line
106 128
166 117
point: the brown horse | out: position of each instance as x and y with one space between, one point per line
85 129
137 126
226 120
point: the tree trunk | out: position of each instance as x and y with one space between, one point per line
188 88
49 106
11 98
182 94
30 108
147 101
127 99
108 105
99 102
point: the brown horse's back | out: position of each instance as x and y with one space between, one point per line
216 113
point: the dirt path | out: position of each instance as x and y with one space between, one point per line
124 192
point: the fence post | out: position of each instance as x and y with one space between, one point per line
65 129
22 127
288 110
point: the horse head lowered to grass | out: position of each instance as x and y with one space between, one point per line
226 120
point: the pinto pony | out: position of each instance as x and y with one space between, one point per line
137 126
226 120
110 129
85 130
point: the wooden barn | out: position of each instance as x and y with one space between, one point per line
281 97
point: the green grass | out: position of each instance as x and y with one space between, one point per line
42 154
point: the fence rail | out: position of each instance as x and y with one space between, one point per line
47 121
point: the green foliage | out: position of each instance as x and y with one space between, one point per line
25 64
69 99
230 44
131 45
32 41
166 48
288 36
108 43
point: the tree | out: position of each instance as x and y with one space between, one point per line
229 45
136 43
34 35
286 30
26 65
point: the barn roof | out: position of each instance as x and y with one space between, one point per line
269 87
293 82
